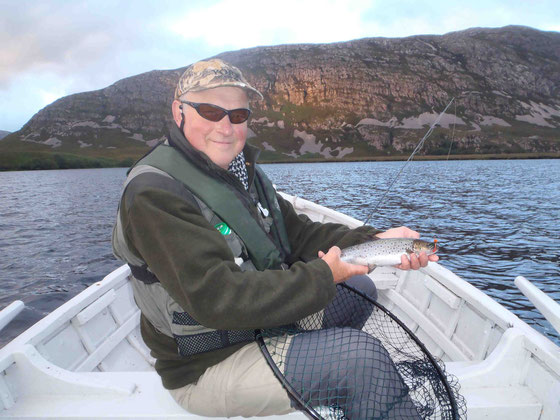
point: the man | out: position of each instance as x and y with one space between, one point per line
216 254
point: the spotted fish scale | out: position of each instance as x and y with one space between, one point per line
385 251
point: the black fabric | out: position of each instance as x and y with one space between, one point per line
183 318
193 344
142 274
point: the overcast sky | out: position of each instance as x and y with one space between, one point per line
50 49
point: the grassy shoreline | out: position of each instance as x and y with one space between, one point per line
29 161
26 161
487 156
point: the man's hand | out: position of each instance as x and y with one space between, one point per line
412 261
341 270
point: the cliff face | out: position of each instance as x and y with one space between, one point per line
367 97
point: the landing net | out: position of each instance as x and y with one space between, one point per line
356 360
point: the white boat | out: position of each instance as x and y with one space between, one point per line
87 359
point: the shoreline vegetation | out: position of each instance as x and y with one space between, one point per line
481 156
27 161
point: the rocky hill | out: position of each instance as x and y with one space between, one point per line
366 98
3 134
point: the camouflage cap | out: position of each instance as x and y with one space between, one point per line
212 74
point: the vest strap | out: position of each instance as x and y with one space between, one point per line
223 201
268 195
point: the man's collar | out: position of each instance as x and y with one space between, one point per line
251 153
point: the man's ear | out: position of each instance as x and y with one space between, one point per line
177 112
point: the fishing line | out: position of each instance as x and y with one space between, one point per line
416 149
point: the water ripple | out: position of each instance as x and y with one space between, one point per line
494 219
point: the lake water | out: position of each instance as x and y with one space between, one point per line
494 219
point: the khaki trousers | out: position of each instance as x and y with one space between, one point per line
241 385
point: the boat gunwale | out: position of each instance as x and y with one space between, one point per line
52 322
480 301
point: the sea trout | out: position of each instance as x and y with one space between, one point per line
386 251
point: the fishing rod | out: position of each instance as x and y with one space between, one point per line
416 149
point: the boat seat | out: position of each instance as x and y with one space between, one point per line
384 278
38 388
146 399
492 387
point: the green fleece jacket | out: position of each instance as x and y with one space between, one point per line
194 264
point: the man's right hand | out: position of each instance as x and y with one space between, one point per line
341 270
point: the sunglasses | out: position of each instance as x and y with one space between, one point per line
215 113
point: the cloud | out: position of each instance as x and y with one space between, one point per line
62 47
226 25
106 40
24 97
552 27
50 50
42 37
100 39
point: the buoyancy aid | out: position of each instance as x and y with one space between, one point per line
251 223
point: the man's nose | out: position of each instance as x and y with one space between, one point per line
225 126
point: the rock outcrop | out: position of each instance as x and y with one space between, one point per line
363 98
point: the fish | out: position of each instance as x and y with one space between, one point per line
386 251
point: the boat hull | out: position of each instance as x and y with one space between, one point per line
87 359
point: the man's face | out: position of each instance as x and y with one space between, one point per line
221 141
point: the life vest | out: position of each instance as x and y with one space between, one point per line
251 224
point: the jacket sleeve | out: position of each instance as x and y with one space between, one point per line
195 265
307 237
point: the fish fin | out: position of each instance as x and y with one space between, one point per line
371 267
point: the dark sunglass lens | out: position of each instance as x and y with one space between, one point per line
237 116
210 112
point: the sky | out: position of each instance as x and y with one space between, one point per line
54 48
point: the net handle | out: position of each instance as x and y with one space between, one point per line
418 342
294 395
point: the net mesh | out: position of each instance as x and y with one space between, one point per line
355 360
